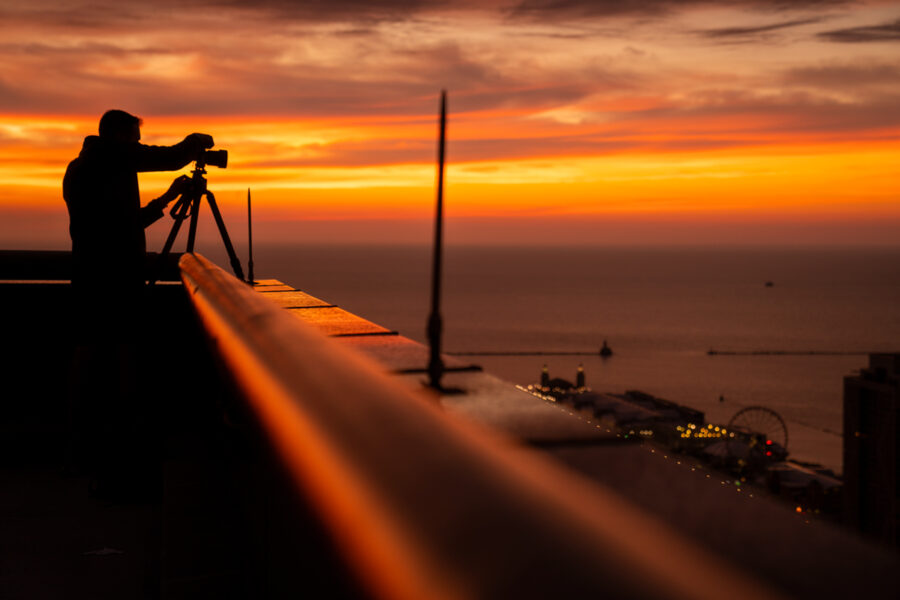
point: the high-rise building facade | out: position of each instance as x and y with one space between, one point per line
872 449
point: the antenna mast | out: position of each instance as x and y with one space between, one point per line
250 279
435 322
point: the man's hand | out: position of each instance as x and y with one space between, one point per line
181 185
201 141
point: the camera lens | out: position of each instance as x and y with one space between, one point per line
216 158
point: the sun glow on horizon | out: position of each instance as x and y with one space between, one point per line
788 177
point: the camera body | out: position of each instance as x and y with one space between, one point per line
216 158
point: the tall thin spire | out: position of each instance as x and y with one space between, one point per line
435 321
250 279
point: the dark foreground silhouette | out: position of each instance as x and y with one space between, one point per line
106 223
106 220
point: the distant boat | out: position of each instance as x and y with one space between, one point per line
605 350
770 284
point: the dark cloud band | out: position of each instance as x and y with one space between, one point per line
565 9
752 32
886 32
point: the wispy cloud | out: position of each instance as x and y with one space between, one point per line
885 32
848 77
481 150
566 9
755 33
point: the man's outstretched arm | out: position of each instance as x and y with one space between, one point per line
168 158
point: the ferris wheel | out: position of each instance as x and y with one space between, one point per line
759 430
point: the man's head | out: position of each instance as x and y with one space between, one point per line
120 126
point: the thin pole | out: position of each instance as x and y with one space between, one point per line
435 322
250 279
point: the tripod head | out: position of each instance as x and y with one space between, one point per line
198 179
218 158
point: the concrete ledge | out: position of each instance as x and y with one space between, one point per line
422 504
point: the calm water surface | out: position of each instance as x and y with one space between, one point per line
660 309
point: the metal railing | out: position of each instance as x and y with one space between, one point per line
422 504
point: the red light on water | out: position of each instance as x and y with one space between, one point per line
768 453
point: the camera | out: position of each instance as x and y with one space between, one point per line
216 158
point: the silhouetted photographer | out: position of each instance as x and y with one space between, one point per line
107 221
114 420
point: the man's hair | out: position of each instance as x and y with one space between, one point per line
114 123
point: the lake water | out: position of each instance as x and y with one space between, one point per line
661 310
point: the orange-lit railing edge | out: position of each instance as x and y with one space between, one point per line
294 378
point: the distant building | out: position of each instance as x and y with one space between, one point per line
560 385
872 449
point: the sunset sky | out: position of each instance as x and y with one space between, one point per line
634 121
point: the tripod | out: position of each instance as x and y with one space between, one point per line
189 205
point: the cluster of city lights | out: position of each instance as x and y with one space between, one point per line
707 431
539 392
691 430
641 432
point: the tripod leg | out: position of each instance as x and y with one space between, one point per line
192 230
176 226
173 233
235 263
